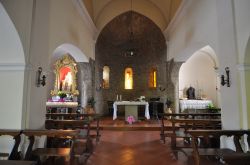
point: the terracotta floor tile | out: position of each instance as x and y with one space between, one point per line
133 148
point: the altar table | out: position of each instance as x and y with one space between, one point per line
131 105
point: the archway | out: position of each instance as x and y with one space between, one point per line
246 85
144 7
68 48
200 72
12 68
84 74
121 36
12 71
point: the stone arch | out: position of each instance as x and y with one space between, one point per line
84 74
10 43
206 62
71 49
206 48
111 49
12 71
246 91
115 8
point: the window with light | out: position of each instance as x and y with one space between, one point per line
153 78
128 78
105 77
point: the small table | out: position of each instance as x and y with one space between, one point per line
131 108
17 162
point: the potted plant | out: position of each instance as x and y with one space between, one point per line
213 109
62 95
90 106
168 103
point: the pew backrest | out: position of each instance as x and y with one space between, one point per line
208 134
16 134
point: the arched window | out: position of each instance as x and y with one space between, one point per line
128 78
105 77
153 78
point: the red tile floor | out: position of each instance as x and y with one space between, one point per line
133 147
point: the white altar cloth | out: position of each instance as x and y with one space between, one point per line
194 104
131 103
62 104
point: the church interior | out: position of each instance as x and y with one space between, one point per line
97 82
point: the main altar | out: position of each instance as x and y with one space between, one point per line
131 108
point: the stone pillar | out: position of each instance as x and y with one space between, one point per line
85 81
173 82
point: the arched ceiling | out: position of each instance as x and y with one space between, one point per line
159 11
115 38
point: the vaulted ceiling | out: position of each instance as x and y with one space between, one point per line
159 11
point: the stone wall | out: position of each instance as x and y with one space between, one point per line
150 47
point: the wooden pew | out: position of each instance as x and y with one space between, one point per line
168 116
67 153
178 132
73 121
15 154
17 162
229 156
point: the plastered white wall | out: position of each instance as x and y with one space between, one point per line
11 99
66 26
211 23
196 29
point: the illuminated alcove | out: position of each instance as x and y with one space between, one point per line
128 78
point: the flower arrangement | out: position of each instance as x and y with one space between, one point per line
61 94
130 119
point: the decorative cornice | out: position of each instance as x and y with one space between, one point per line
177 17
14 67
86 17
243 67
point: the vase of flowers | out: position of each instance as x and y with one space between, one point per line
62 95
130 119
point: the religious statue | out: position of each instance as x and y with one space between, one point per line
190 93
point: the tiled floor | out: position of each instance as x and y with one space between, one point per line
133 148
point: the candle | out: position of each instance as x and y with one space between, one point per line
117 97
120 97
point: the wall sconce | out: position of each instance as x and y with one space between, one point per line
161 88
41 79
225 79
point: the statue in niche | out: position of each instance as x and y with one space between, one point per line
65 80
190 93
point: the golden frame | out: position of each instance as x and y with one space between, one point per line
65 61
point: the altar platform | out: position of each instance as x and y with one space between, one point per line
107 123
